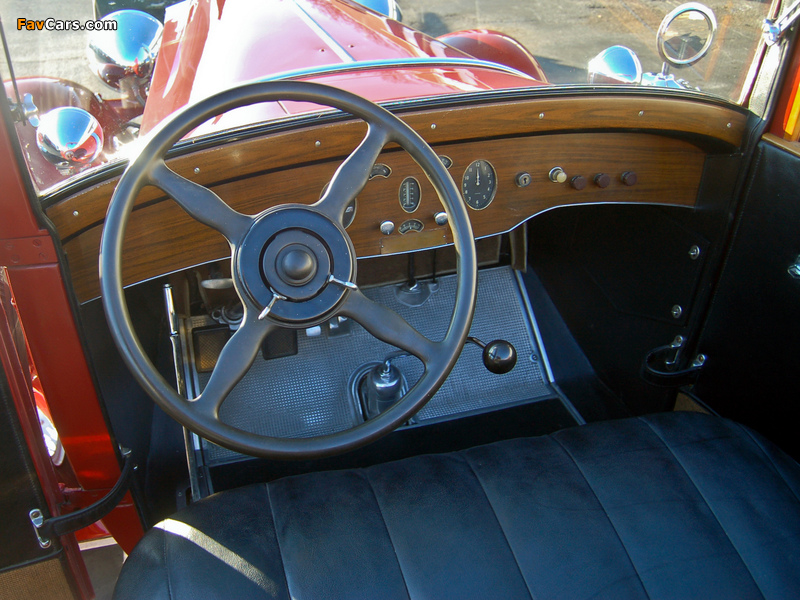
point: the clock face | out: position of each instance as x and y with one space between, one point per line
479 184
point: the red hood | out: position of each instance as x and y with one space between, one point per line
210 45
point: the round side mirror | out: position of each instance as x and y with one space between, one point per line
70 138
616 64
686 34
124 58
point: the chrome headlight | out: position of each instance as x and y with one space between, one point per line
70 138
124 58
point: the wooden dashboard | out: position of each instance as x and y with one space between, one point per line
619 137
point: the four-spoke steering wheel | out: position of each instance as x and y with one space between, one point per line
292 266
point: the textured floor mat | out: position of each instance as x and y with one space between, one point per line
307 394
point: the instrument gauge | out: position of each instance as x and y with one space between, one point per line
349 213
349 210
410 194
479 184
410 225
380 170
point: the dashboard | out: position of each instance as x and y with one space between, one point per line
510 160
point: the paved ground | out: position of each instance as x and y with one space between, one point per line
59 53
565 34
562 34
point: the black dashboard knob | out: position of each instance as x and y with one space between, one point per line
602 180
578 182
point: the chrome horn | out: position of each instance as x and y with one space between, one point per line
616 64
70 138
124 58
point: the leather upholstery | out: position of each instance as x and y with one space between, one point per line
677 505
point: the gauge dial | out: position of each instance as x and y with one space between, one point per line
479 184
410 194
411 225
349 211
380 170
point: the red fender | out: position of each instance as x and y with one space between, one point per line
497 47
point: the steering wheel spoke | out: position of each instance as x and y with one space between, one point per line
233 363
353 174
389 327
201 203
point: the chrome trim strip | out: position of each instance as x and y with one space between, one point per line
182 369
494 233
569 405
368 65
324 35
534 325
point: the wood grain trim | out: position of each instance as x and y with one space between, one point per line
161 238
281 150
788 146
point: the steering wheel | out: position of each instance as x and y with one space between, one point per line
292 266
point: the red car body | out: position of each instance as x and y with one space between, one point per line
209 46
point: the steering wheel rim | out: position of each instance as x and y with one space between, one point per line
149 168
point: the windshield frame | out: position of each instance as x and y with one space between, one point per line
51 194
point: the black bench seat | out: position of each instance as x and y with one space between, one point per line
677 505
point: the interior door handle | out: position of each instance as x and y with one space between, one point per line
794 269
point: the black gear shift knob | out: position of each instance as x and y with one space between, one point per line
499 356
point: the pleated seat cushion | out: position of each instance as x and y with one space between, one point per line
677 505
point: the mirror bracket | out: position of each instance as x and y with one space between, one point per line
774 30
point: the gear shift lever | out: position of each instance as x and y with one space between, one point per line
383 385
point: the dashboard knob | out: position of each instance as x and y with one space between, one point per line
557 175
602 180
629 178
387 227
440 218
578 182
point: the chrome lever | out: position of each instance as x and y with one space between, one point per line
345 284
268 308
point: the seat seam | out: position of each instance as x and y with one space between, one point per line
365 475
166 566
769 458
499 525
707 503
278 540
608 517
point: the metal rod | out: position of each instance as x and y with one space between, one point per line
180 381
11 67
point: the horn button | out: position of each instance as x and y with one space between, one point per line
296 264
293 251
